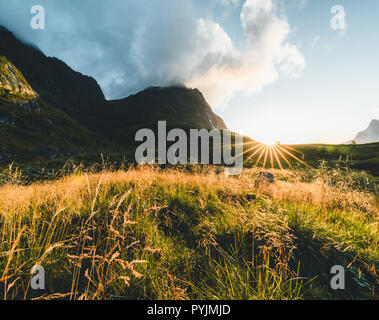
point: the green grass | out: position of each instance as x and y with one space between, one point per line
361 157
171 234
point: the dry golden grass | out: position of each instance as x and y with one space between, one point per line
76 189
114 230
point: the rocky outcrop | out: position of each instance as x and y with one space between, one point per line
13 82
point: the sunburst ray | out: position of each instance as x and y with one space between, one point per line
274 155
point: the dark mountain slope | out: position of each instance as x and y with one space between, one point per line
56 83
29 128
176 105
82 99
180 107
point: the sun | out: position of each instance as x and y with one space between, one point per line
272 154
270 143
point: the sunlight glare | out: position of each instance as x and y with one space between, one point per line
271 154
270 142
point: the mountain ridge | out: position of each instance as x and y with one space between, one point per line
180 107
370 135
47 85
29 127
54 81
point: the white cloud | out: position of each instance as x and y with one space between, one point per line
290 61
266 53
128 45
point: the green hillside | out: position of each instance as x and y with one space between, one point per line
361 157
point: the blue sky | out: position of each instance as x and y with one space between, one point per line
337 94
273 69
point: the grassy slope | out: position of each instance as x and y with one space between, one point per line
362 157
157 234
34 130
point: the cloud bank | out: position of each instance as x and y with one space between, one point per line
130 45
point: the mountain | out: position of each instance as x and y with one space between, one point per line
56 83
47 109
176 105
30 128
370 135
180 107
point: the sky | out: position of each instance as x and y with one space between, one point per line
275 70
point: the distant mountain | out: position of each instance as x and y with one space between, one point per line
47 109
370 135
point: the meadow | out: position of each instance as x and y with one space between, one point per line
192 232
